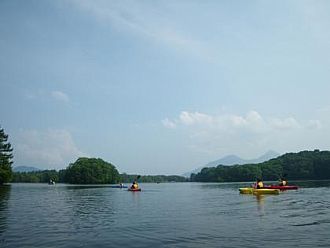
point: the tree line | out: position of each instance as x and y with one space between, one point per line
89 171
304 165
152 179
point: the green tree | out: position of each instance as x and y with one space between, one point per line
6 157
91 171
303 165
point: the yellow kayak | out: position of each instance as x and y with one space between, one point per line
259 191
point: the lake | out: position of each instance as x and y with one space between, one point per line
163 215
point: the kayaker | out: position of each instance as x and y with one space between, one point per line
259 184
283 182
135 185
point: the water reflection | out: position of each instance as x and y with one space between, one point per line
135 198
4 197
261 204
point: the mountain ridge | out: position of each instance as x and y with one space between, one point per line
230 160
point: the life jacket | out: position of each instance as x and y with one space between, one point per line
135 186
260 185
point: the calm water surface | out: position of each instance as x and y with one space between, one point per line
163 215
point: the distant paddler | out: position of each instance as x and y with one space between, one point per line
51 182
135 185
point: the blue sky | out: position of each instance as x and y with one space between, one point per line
163 87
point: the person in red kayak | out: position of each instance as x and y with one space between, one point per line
283 182
135 185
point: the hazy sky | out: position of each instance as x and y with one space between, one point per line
163 87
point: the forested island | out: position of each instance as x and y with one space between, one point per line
304 165
89 171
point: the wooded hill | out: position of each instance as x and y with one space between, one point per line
89 171
304 165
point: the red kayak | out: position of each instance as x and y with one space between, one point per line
130 189
288 187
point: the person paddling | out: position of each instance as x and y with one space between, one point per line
135 185
283 182
259 184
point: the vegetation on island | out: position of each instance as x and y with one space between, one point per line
90 171
83 171
6 156
73 175
44 176
304 165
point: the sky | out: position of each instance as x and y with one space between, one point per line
163 87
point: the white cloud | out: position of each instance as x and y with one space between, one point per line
237 121
254 117
169 124
245 135
252 120
187 118
51 149
60 96
287 123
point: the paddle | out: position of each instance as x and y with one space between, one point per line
137 178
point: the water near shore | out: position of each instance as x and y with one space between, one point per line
163 215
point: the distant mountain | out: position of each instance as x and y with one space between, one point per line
233 160
267 156
227 160
25 169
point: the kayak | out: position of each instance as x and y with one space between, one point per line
259 191
287 187
130 189
118 186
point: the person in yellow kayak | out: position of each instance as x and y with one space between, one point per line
259 184
283 182
135 185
